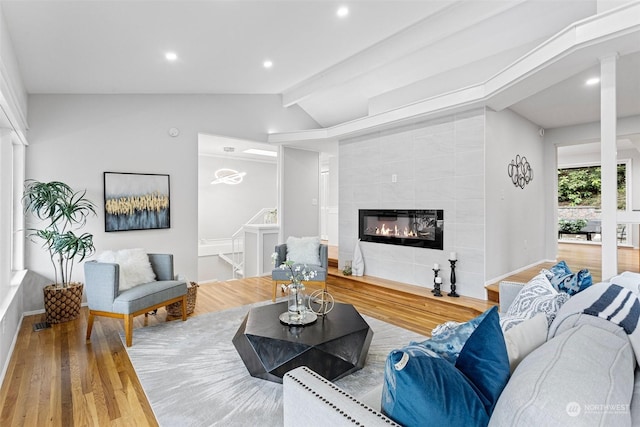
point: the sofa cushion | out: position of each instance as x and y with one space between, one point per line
628 280
303 250
450 339
421 387
556 271
537 296
582 377
564 280
525 337
135 268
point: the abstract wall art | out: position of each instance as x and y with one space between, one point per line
134 201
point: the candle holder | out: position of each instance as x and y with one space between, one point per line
453 279
436 283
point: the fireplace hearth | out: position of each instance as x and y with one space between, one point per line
410 227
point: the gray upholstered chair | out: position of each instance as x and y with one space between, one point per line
105 299
279 275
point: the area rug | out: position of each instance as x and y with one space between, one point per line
193 376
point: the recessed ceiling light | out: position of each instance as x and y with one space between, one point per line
261 152
171 56
342 11
592 81
267 64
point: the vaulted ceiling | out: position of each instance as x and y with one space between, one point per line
382 55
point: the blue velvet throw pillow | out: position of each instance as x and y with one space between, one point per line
484 360
449 343
422 388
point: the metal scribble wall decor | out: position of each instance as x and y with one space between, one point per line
520 171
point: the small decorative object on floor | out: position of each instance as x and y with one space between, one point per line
453 259
358 261
436 284
347 271
175 309
321 302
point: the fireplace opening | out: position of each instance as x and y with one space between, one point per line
409 227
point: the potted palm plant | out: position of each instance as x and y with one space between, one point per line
62 212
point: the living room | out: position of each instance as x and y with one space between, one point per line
74 135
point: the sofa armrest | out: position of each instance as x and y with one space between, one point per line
508 292
311 400
324 256
102 282
281 250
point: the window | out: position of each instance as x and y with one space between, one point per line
579 203
12 155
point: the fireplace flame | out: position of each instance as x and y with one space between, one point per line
386 231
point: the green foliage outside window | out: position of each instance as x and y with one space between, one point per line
571 226
581 186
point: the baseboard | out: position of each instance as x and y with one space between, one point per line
10 352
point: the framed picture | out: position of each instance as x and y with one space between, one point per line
134 201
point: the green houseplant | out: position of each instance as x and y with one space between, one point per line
62 212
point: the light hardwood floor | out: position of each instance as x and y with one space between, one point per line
56 378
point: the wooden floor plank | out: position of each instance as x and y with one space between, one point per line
56 378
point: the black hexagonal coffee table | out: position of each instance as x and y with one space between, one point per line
334 346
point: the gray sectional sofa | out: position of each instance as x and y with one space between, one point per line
585 374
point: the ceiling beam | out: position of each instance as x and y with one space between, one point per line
577 47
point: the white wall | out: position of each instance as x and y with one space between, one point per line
515 217
75 138
13 96
439 165
300 182
223 208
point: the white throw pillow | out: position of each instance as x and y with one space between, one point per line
135 267
537 296
304 250
525 337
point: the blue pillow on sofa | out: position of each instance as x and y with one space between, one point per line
421 387
448 343
564 280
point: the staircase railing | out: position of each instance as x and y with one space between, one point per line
266 216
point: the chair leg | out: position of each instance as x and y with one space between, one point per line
184 307
90 324
128 329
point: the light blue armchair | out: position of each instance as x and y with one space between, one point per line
105 299
279 275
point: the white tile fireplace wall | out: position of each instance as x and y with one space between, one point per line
437 164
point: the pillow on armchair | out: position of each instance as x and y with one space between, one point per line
135 267
304 250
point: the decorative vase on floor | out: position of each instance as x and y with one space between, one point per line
296 302
357 266
62 304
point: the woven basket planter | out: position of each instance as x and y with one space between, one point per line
62 304
175 309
